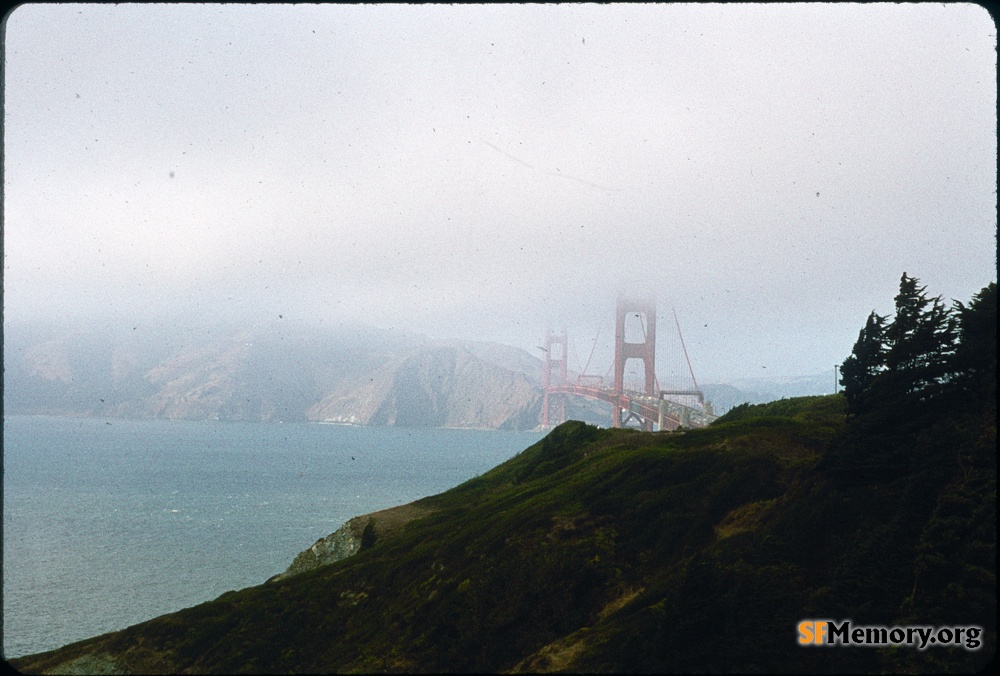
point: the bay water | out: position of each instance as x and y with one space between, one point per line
110 522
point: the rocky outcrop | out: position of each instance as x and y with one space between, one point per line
356 534
342 543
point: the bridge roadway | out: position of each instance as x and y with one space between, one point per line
666 414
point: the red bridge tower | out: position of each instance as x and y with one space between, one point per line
555 374
645 311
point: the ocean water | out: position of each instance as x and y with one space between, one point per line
107 523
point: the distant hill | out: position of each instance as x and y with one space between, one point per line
274 372
762 390
433 386
622 551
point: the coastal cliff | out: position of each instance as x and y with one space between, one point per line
435 386
271 373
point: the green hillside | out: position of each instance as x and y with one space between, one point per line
618 550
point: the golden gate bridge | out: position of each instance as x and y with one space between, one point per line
649 407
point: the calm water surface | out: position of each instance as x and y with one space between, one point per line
107 523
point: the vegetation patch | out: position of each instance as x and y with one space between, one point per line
744 518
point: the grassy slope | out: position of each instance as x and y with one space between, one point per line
616 550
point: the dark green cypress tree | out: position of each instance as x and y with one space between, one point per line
866 361
920 343
975 358
927 365
913 388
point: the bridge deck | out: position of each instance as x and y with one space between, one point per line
644 406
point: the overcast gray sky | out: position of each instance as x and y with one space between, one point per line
494 171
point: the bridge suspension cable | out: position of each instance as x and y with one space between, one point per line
576 355
683 348
592 347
